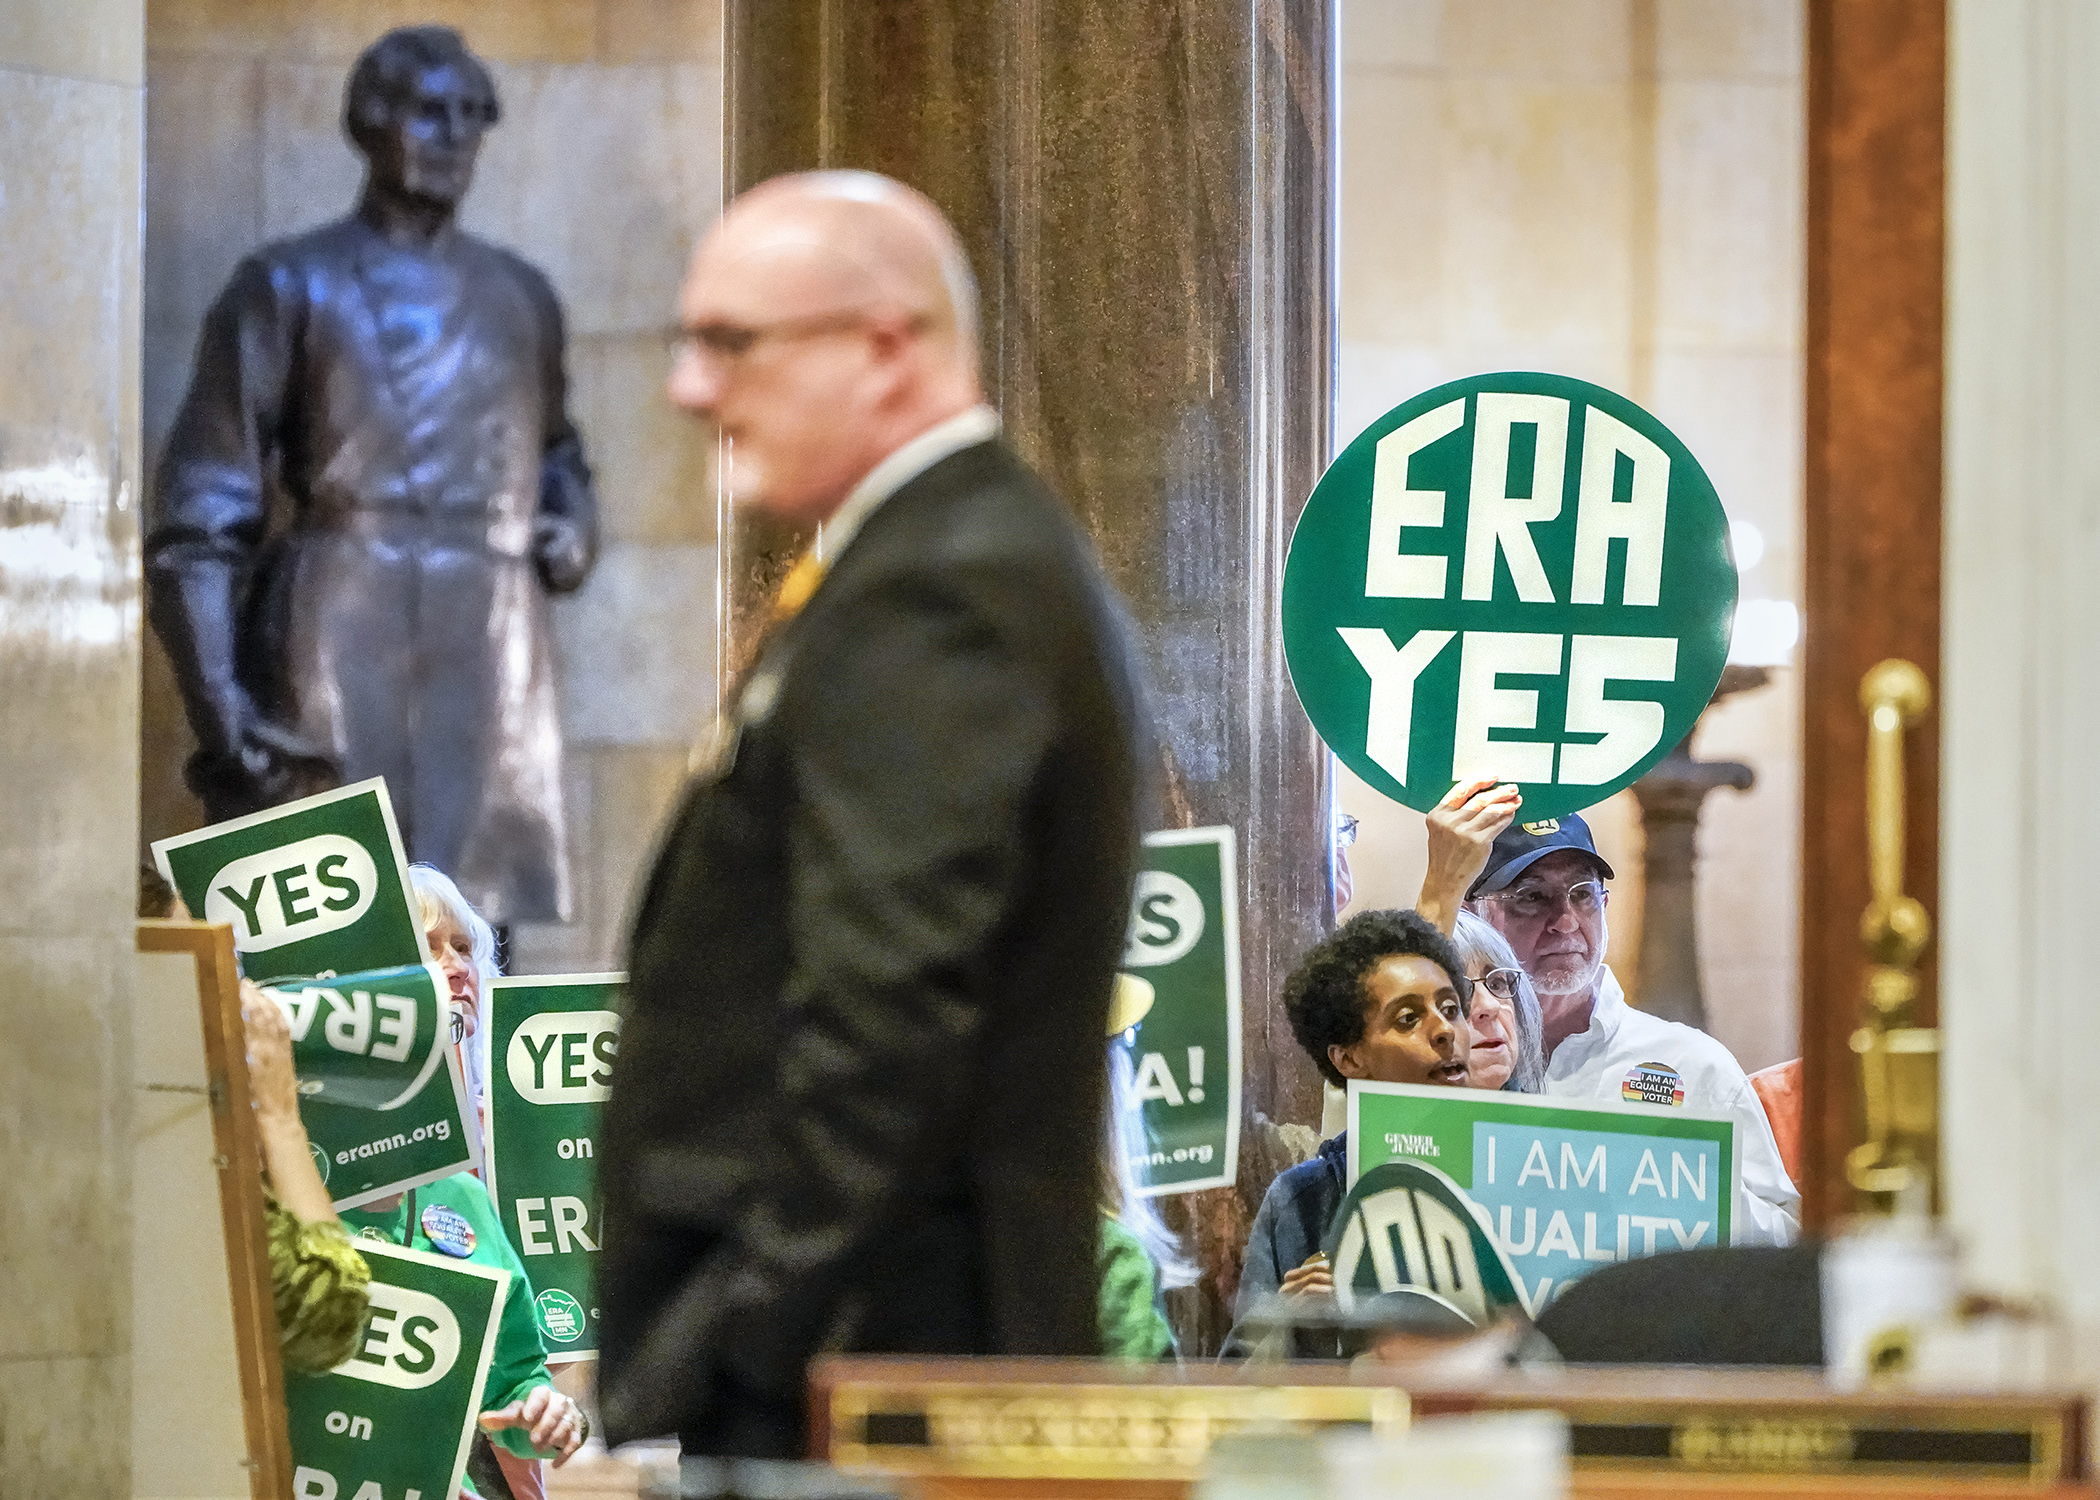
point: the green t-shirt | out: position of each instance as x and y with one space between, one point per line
1131 1324
520 1361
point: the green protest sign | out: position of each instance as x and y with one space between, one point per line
379 1036
393 1421
1566 1187
1406 1225
552 1041
314 887
1182 962
1515 575
380 1092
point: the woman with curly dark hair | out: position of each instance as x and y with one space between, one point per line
1383 998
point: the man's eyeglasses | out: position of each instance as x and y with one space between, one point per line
1530 903
732 341
1501 983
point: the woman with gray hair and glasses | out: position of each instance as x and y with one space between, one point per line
463 949
1509 1048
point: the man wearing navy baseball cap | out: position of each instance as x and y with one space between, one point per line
1545 888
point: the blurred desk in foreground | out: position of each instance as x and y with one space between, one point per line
1028 1429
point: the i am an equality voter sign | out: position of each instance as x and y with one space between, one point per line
1515 575
1561 1187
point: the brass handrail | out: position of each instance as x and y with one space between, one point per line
1894 1169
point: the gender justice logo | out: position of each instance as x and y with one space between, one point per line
1516 575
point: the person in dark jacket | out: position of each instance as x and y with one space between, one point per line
860 1078
1382 998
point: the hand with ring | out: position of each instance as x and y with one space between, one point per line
554 1424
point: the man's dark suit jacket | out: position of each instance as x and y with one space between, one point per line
857 1103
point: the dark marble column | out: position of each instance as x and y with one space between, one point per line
1146 190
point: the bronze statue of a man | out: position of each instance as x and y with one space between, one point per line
370 490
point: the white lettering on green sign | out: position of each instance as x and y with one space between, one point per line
1166 920
564 1057
319 1484
570 1218
1563 631
362 1023
302 890
413 1340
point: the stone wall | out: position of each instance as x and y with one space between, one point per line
1610 189
605 167
70 116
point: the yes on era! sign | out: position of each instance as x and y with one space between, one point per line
1516 575
396 1417
552 1042
1183 954
1564 1188
381 1097
316 886
318 897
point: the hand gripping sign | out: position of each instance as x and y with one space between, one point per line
395 1419
552 1042
316 886
380 1092
1565 1188
1179 998
1516 575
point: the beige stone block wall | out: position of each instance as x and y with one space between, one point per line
71 114
604 169
1609 189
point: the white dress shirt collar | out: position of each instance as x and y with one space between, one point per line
1608 1011
980 424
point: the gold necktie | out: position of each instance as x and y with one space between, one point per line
712 754
796 589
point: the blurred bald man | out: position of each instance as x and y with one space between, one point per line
860 1079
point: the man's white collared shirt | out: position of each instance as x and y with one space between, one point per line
980 424
1594 1064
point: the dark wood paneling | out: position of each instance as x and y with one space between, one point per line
1145 192
1875 275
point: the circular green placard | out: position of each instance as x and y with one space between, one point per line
1516 575
560 1315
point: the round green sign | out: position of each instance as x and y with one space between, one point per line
560 1315
1520 576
